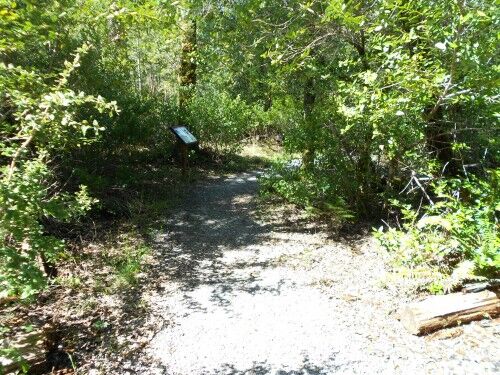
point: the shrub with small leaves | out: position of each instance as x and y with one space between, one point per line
45 121
454 239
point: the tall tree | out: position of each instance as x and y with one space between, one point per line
187 70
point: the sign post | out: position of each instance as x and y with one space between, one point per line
184 140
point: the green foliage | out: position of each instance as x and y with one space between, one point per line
453 240
390 91
367 95
398 88
219 120
16 356
45 121
307 189
129 264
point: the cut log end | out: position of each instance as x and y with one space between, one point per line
437 312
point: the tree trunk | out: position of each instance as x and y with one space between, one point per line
361 48
439 141
309 101
49 267
187 73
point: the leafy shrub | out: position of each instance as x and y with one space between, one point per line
453 240
219 120
280 118
45 122
304 188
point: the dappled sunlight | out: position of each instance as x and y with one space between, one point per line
231 300
239 327
249 187
245 291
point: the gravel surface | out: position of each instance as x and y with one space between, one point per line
247 289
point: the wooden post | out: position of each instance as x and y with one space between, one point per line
184 140
183 150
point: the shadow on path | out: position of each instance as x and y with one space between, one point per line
214 217
225 291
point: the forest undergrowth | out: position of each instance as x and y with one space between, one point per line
384 112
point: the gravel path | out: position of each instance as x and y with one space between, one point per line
253 290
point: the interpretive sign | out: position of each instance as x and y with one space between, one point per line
184 135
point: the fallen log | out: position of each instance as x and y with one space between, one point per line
436 312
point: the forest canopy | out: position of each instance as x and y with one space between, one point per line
386 109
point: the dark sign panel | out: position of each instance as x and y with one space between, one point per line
184 135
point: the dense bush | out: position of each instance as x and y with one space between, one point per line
396 96
221 121
53 113
452 240
312 190
44 122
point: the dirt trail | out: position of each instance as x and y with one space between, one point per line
245 290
